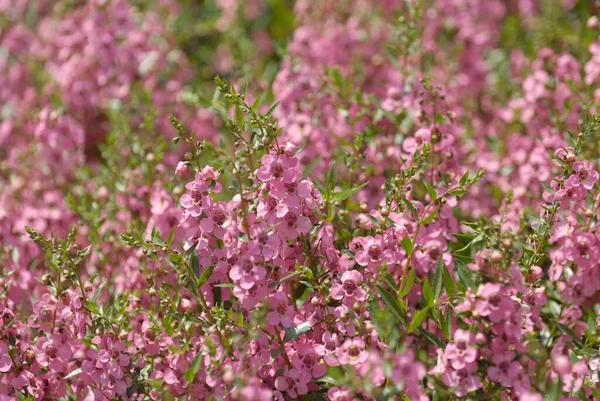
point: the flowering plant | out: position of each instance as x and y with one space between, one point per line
409 211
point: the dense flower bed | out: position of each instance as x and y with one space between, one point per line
373 200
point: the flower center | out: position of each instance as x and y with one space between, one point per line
374 252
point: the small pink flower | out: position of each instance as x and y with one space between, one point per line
373 252
353 352
281 311
349 290
5 361
584 174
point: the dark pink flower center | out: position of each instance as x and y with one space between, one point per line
291 219
349 287
219 217
276 169
196 196
375 252
272 203
354 351
291 188
51 351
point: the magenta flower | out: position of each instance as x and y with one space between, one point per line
349 290
505 371
584 174
461 352
276 167
281 311
5 360
293 382
373 252
352 352
246 274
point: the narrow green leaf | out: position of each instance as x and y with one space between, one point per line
195 264
438 279
409 283
256 102
428 293
170 237
464 179
412 208
340 196
206 273
568 331
374 220
391 281
391 303
430 217
431 337
449 283
272 110
430 189
294 332
407 245
190 374
464 276
417 319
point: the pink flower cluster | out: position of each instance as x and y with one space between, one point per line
416 219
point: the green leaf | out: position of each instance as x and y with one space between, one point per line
190 374
464 179
430 190
464 276
428 293
417 319
170 237
407 245
430 217
409 283
412 208
447 327
431 337
329 380
391 281
206 273
294 332
272 110
438 279
340 196
474 241
568 331
281 280
449 283
391 303
331 180
554 392
256 102
195 264
374 220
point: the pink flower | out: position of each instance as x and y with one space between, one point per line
246 274
373 252
308 359
5 360
584 174
292 382
276 167
349 290
461 352
353 352
254 391
505 370
281 312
